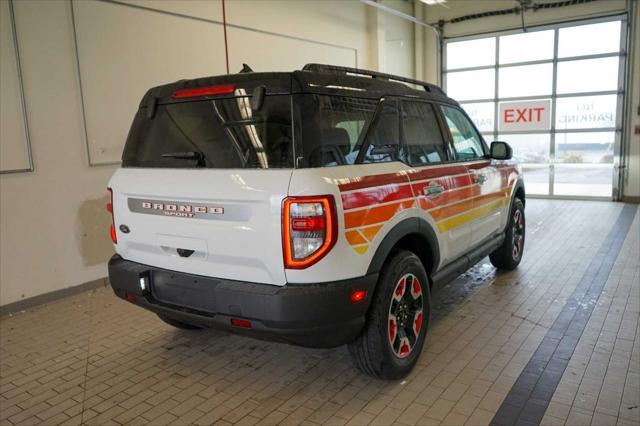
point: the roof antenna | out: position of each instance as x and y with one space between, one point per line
245 68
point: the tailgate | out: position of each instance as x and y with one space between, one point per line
221 223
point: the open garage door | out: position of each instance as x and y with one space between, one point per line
555 93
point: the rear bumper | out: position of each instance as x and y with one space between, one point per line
314 315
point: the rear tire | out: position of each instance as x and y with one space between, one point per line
178 324
398 319
509 254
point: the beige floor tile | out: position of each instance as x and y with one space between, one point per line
94 359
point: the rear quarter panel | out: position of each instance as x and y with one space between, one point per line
371 199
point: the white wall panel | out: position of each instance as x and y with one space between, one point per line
122 52
204 9
14 138
274 52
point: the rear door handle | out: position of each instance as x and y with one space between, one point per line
433 190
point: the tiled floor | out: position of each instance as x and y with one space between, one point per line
94 359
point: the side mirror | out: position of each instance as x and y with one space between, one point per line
501 151
257 99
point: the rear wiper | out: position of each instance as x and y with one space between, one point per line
198 157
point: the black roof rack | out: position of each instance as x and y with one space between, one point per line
373 74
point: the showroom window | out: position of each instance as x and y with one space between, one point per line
554 93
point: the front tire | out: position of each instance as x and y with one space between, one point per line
509 254
397 323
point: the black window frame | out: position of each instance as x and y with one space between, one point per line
448 148
399 101
449 136
298 122
366 141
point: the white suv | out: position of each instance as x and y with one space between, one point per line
317 207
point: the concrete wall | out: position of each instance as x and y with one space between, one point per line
54 227
457 8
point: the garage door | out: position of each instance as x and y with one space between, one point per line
555 93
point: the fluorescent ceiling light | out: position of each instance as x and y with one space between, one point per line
433 2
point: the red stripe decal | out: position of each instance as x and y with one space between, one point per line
436 172
350 184
448 183
382 194
480 165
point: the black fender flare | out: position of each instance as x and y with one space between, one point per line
519 185
412 225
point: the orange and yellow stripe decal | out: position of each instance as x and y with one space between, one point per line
370 201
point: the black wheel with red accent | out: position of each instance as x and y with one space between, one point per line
397 323
509 254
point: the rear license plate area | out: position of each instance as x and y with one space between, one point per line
183 290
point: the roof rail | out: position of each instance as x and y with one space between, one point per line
373 74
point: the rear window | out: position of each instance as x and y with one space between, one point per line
328 130
220 133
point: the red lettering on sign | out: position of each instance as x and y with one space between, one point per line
525 115
539 111
508 116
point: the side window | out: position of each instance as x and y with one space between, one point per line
330 129
422 137
467 143
384 137
354 129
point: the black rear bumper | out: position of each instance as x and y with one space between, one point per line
313 315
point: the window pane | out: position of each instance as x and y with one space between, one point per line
585 180
385 136
331 128
482 114
578 148
529 148
584 164
468 85
532 152
471 53
528 80
224 133
466 141
589 75
589 39
524 47
586 112
423 140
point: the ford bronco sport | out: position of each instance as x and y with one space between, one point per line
318 207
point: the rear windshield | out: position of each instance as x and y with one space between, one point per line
221 133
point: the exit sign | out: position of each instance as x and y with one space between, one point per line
524 115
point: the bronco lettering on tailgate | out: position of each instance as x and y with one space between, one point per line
173 208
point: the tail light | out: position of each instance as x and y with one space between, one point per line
112 230
309 229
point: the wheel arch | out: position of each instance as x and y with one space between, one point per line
519 192
413 234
